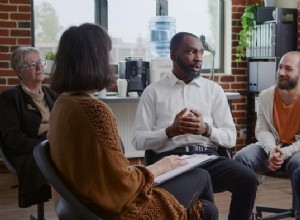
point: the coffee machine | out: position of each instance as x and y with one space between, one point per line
137 73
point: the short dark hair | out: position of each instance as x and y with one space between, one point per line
177 39
82 60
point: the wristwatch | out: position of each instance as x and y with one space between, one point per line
170 138
207 130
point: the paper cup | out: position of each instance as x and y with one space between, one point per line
122 87
102 93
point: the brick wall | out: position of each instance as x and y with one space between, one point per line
238 80
15 30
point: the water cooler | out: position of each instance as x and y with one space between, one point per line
162 29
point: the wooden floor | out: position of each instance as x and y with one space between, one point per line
273 192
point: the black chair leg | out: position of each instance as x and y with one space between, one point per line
40 212
278 213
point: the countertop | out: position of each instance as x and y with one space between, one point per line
118 99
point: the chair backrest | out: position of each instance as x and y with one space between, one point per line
6 161
226 152
69 206
150 157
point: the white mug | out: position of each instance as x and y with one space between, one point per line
122 87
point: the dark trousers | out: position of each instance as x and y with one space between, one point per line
229 175
296 187
33 187
192 186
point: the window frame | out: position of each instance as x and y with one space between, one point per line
101 18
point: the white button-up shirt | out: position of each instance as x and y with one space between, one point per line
162 100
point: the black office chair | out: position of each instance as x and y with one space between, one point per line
68 207
6 161
11 168
277 213
151 157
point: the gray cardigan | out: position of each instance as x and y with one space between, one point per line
265 132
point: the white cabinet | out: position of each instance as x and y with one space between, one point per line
262 74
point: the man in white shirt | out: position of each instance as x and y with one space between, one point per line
184 113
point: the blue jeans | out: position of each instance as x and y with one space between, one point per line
256 158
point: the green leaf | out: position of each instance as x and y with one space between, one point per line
49 55
245 36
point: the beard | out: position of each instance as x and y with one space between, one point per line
284 83
185 69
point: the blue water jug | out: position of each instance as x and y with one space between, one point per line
162 29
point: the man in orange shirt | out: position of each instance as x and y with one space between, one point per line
278 123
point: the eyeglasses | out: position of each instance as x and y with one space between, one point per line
33 65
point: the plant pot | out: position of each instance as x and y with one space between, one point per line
48 67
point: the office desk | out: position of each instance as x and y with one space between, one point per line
124 108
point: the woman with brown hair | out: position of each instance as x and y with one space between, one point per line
86 148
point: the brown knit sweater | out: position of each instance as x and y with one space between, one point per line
85 147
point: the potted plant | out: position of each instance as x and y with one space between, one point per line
49 57
245 35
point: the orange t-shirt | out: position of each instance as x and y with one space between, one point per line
286 119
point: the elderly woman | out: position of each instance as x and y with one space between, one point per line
24 122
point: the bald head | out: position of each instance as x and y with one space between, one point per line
288 73
293 57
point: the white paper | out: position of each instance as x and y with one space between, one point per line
193 161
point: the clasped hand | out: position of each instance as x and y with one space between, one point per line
187 122
276 159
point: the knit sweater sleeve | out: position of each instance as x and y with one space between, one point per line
116 183
265 131
96 168
126 190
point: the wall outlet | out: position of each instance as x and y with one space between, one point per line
243 133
